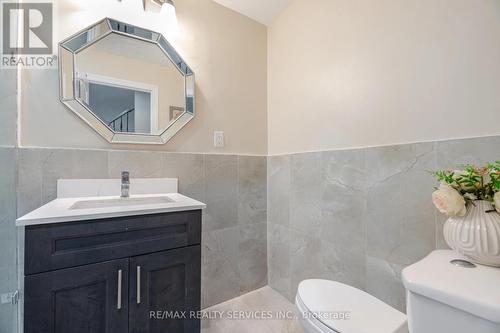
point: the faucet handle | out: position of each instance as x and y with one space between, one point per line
125 176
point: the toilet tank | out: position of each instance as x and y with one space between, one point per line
444 297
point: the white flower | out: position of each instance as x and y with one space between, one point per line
448 201
497 201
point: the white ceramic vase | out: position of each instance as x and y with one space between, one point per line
477 234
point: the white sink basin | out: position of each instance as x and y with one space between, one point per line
120 202
97 199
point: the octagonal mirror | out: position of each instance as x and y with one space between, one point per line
127 83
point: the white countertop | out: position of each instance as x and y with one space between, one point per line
59 210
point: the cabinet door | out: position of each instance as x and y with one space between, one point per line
164 288
86 299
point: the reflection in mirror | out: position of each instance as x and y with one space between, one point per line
131 86
129 82
122 109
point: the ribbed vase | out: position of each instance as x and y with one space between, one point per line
477 234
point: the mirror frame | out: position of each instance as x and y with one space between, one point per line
70 47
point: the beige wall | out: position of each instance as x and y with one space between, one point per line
341 74
350 73
227 51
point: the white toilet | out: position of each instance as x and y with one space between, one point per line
442 297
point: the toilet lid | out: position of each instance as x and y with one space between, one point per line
472 290
345 309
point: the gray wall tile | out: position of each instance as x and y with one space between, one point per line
278 190
343 229
8 312
376 213
190 170
7 185
8 138
278 248
306 193
383 280
345 168
8 236
29 182
70 164
252 256
220 266
7 208
221 191
140 164
344 264
305 259
455 153
252 186
400 214
39 170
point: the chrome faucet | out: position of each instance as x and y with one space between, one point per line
125 184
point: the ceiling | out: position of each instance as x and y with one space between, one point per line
263 11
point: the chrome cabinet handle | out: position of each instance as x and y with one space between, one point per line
119 300
138 284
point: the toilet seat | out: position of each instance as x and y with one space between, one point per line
330 299
307 319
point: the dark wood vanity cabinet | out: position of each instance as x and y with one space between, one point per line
78 300
135 274
171 282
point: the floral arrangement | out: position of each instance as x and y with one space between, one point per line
458 188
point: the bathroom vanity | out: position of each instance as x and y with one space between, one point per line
129 265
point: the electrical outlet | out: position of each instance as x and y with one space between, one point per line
218 139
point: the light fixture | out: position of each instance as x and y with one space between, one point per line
169 8
166 9
163 2
156 5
